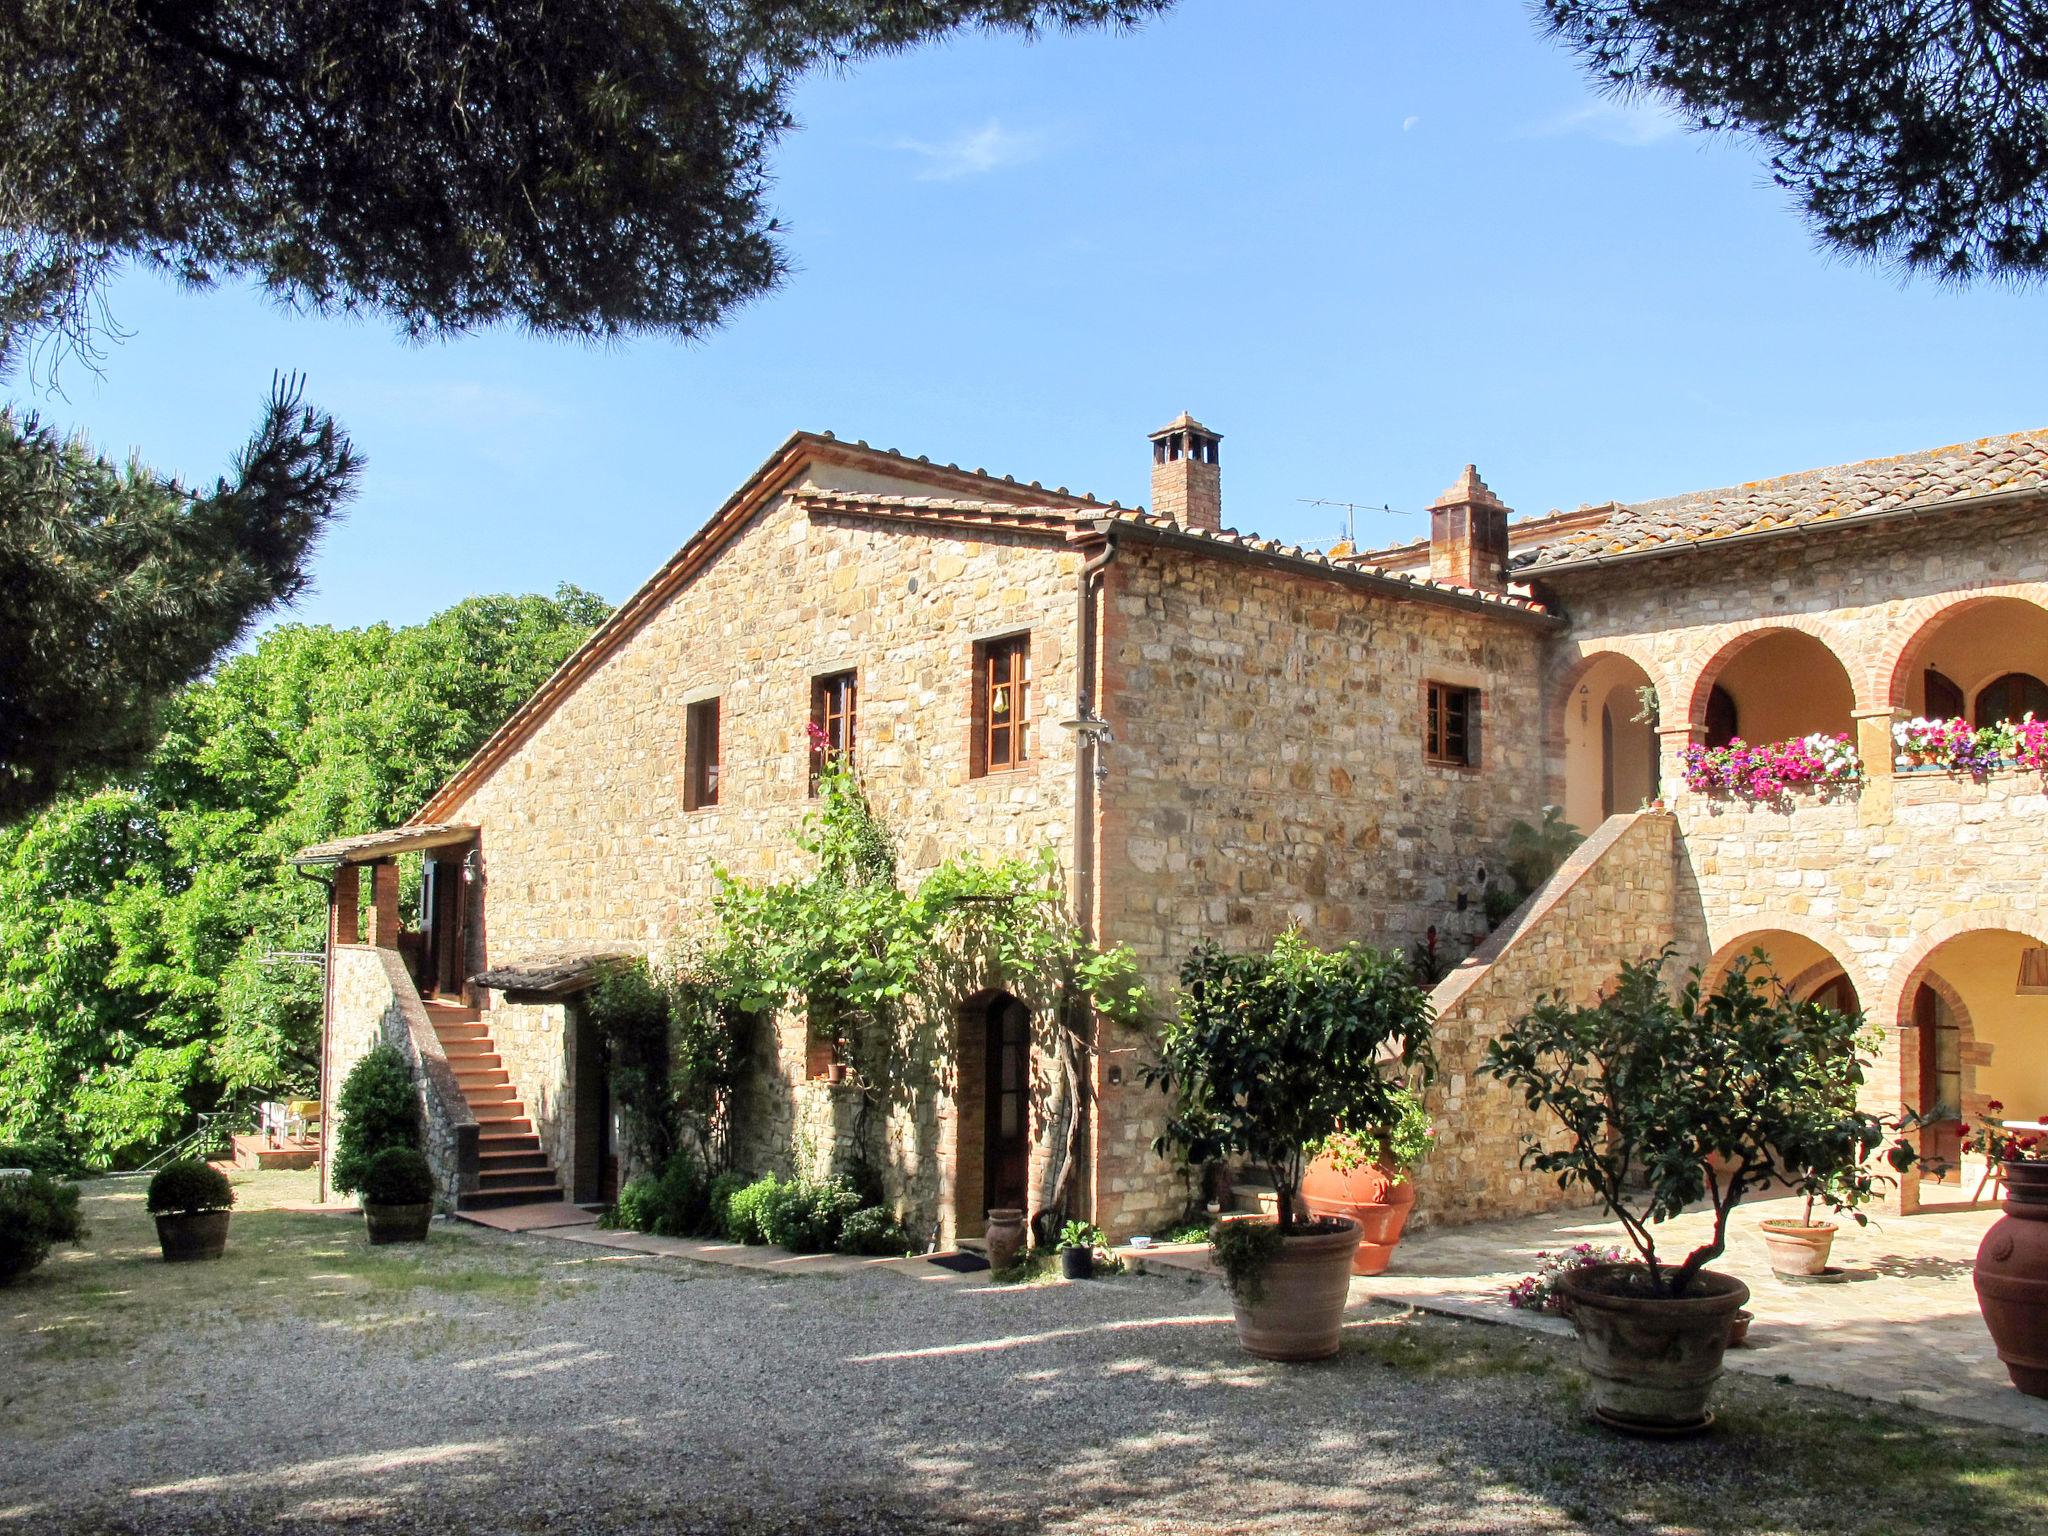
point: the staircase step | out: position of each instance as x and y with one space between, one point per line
506 1162
471 1053
491 1180
462 1034
486 1121
442 1013
490 1143
489 1093
522 1194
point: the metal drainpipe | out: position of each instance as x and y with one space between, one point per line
1086 755
326 1012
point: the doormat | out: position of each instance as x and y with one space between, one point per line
959 1263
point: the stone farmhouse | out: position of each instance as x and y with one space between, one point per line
1220 736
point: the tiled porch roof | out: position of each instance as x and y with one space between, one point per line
368 846
1908 482
552 973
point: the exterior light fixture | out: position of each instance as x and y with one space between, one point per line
2033 972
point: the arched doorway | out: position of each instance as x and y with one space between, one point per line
1982 660
1970 1038
1773 685
1610 740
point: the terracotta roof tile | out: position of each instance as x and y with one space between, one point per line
1843 493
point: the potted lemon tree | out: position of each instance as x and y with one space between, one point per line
1669 1102
1270 1055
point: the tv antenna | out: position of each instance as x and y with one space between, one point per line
1351 509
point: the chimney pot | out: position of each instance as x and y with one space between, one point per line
1187 479
1468 535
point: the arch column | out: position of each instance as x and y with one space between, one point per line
1672 744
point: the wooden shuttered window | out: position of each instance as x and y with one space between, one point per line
1451 731
700 755
1002 704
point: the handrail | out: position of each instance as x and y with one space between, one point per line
205 1139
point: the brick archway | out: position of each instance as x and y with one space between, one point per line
1582 664
1914 966
1837 955
1914 627
1815 976
1721 645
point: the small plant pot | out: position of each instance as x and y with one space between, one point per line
398 1223
1077 1263
189 1236
1300 1311
1738 1329
1797 1249
1652 1360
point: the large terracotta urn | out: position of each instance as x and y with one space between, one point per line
1374 1196
2012 1278
1297 1312
1004 1235
1652 1360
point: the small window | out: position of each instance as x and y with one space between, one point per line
1453 726
700 755
1002 704
834 706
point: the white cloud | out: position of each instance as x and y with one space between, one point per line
1635 124
1410 123
973 151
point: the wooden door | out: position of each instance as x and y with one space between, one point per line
1007 1072
1941 1085
441 947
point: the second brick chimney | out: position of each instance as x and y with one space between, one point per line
1187 481
1468 536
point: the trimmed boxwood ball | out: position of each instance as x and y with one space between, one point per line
397 1176
187 1188
35 1212
379 1108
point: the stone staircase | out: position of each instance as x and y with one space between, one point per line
512 1167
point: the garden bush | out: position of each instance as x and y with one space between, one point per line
807 1215
675 1202
49 1158
379 1108
718 1212
186 1188
746 1218
397 1176
873 1230
35 1213
634 1210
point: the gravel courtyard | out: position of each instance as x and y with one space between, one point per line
498 1383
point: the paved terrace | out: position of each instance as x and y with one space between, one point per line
1902 1327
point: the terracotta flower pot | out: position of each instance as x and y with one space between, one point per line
1299 1314
188 1236
1377 1198
1796 1248
1653 1360
2012 1278
398 1223
1005 1236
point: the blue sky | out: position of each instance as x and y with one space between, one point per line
1366 242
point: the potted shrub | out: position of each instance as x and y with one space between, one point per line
1665 1102
1078 1242
1270 1055
2012 1262
190 1201
379 1108
36 1211
1363 1174
397 1191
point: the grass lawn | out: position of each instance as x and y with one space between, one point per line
486 1382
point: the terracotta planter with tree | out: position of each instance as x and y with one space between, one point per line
1669 1101
1269 1056
2011 1273
191 1202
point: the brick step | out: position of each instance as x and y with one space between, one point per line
470 1069
504 1162
472 1055
445 1013
488 1118
255 1151
489 1093
498 1143
491 1180
523 1194
462 1034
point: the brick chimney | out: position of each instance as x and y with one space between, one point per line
1468 536
1187 482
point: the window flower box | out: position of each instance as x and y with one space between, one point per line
1771 770
1956 746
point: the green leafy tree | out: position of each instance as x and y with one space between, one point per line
1276 1052
1667 1101
136 924
118 586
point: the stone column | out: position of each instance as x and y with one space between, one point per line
1672 742
1874 747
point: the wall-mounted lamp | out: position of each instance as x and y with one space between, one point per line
2033 972
1092 730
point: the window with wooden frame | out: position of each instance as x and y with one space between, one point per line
1002 704
700 755
1451 733
834 708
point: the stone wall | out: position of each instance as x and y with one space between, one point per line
585 839
1880 876
375 1001
536 1047
1610 902
1268 770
